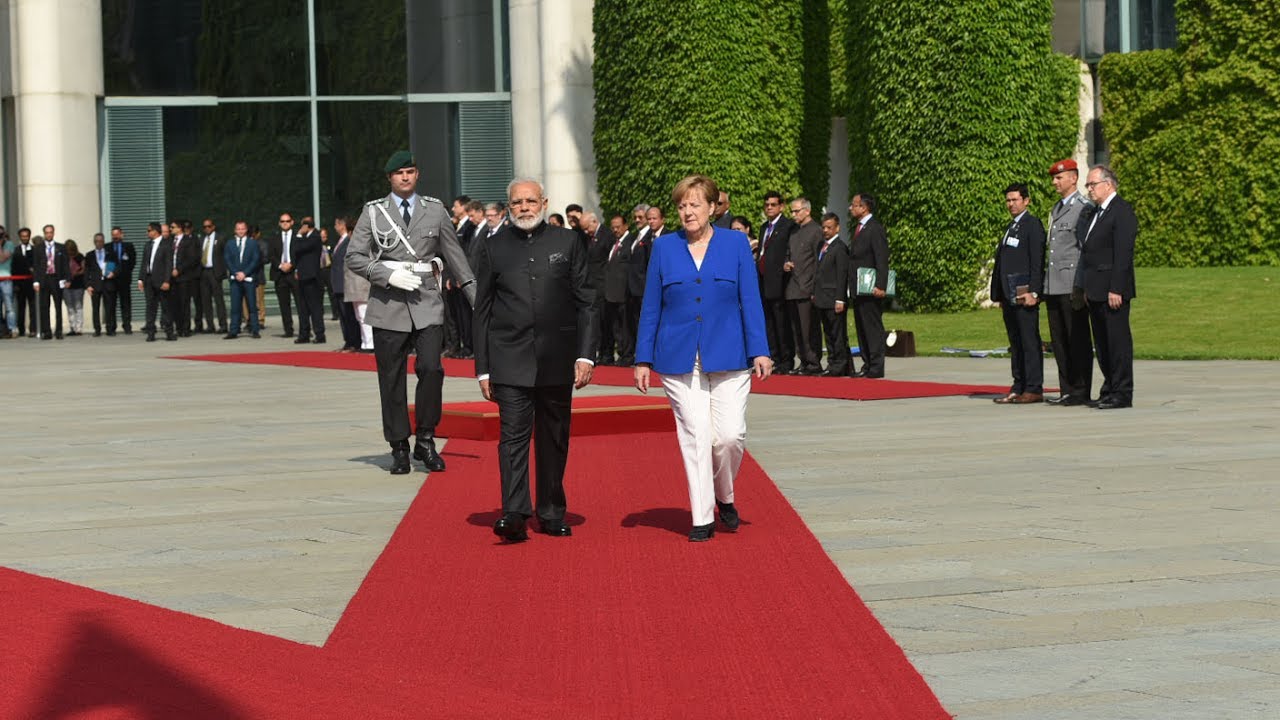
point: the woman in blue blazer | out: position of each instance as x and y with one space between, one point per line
702 328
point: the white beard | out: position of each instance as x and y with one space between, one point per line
529 224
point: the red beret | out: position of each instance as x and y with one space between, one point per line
1063 166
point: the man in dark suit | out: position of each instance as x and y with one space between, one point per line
457 309
126 261
100 269
184 275
1016 283
600 242
24 294
152 267
535 336
1106 277
649 227
801 266
869 248
164 288
241 257
306 251
282 272
213 272
775 239
831 296
613 324
724 218
52 270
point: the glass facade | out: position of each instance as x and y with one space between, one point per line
242 109
1090 28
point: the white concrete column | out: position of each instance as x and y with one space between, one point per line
552 98
838 157
58 79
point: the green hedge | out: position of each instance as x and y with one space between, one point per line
711 87
1194 136
953 100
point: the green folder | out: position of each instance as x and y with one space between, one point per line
867 282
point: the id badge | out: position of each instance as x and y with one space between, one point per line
1011 241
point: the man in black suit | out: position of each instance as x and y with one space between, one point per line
724 218
213 273
775 239
100 269
535 335
650 223
162 286
147 269
831 297
869 247
282 272
306 251
457 309
24 294
1016 283
52 270
801 267
126 261
613 324
600 242
184 274
1106 277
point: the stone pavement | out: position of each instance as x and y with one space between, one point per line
1036 563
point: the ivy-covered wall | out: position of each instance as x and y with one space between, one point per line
720 88
952 100
1195 136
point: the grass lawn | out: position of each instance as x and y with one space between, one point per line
1179 314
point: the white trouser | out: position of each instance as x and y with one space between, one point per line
711 423
366 331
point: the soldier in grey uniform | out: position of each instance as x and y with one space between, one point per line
400 244
1068 315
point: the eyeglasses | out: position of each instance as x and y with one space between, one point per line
284 221
1089 185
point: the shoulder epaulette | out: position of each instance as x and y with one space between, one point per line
427 198
375 201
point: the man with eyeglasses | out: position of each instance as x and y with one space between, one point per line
399 245
213 272
1106 277
282 272
775 240
802 267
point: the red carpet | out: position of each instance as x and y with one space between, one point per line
793 385
624 620
592 415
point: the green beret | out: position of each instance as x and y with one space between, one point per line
400 159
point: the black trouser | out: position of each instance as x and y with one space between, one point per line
777 330
24 299
310 308
158 299
870 329
460 310
124 294
544 412
391 349
805 326
210 299
335 300
609 326
286 290
348 323
1072 347
106 295
49 290
836 328
179 297
1026 361
631 326
1115 349
244 300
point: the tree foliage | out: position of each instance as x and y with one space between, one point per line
1193 136
952 101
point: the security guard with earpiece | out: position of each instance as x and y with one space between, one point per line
400 243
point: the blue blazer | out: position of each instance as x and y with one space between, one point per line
252 258
714 311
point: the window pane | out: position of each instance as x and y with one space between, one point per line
360 47
356 138
450 46
228 48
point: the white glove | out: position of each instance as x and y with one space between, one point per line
404 279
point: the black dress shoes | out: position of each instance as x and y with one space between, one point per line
151 337
230 337
816 370
256 336
510 527
319 340
729 516
1068 401
1114 403
554 528
400 460
426 452
702 533
829 373
302 341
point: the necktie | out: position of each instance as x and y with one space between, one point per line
764 242
50 251
404 211
616 246
824 250
858 229
240 247
102 262
208 251
177 239
286 248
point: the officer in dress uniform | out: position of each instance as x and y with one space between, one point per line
400 244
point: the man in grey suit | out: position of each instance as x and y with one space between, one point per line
1068 314
802 265
400 244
